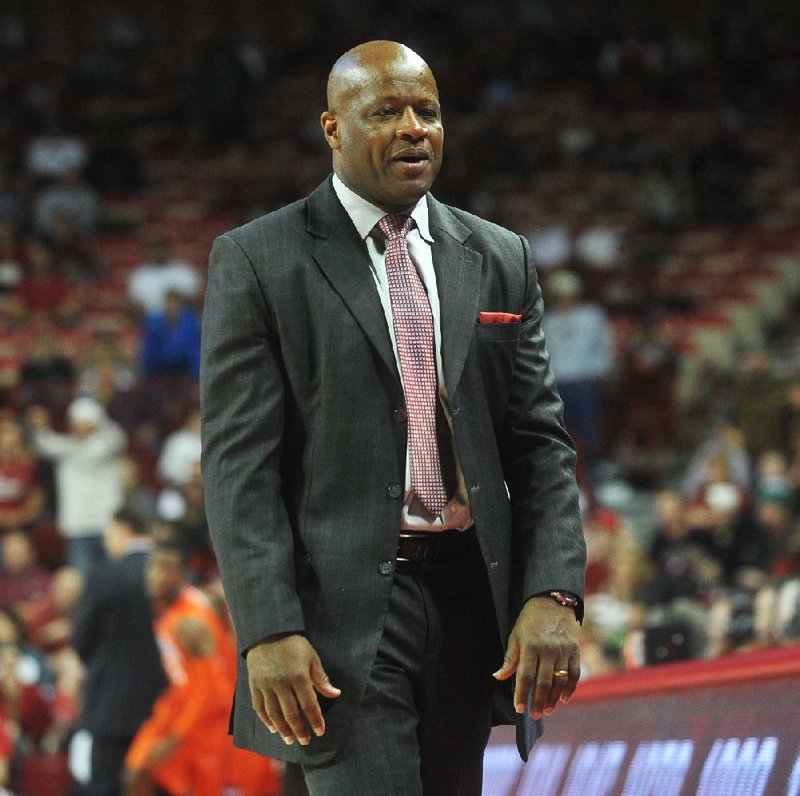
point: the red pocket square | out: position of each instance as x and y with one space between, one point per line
499 317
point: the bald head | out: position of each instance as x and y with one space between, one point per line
357 66
383 124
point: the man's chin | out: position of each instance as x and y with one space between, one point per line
405 195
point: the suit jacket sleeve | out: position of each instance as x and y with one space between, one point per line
538 463
242 404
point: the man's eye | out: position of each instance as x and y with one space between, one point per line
430 115
385 112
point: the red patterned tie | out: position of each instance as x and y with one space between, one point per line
413 331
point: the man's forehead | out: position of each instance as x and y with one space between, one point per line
378 85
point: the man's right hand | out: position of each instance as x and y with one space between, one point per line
284 674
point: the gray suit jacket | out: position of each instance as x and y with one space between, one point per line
303 446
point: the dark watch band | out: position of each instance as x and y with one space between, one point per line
565 598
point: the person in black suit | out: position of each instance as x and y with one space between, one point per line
113 634
389 485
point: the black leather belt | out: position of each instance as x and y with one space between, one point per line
426 548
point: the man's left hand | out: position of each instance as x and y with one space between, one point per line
544 641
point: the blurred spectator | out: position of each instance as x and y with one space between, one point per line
106 368
772 478
602 529
43 288
11 269
732 625
786 614
598 657
13 208
21 499
598 245
719 492
183 746
551 241
646 387
31 666
50 623
193 527
579 340
749 542
70 199
54 155
727 442
664 198
171 339
760 402
26 704
6 755
576 138
181 452
764 545
792 421
149 281
23 583
71 251
88 475
46 374
137 496
684 557
184 509
113 634
793 472
617 606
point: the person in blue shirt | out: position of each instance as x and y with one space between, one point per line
171 339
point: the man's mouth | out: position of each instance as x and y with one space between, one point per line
412 156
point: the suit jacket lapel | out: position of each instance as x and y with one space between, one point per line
342 257
458 276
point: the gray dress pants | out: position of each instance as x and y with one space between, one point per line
425 719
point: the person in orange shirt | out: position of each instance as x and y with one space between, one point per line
184 747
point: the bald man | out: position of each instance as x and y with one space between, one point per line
389 485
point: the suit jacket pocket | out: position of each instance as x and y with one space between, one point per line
496 350
497 332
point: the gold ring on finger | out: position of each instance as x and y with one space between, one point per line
560 674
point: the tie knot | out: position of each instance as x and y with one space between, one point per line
396 226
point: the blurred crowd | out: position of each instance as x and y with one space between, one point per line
654 173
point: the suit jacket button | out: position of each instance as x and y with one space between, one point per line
386 567
400 415
394 490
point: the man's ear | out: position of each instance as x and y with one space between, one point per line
330 127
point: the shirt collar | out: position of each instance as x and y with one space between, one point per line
366 215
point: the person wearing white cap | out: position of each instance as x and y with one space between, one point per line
88 470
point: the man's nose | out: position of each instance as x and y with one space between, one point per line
411 126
